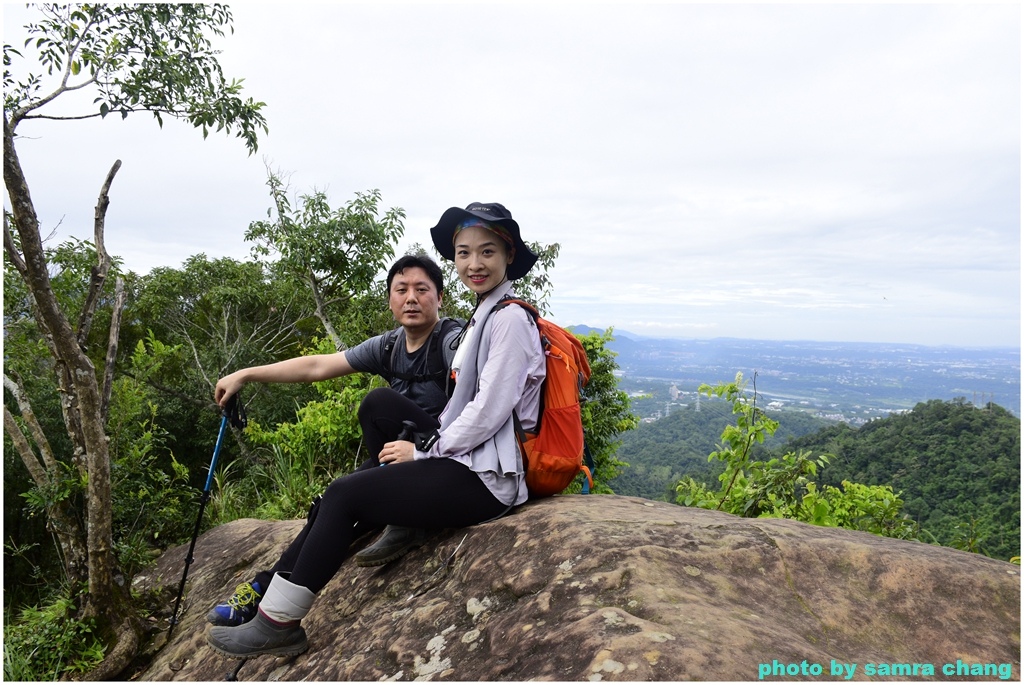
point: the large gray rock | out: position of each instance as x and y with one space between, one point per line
590 587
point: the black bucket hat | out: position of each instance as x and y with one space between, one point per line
444 234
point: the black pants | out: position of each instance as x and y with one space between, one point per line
430 493
381 414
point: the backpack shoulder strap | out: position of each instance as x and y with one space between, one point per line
588 460
508 299
437 366
447 324
388 344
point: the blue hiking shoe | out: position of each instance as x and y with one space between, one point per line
240 608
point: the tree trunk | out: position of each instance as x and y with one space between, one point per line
321 311
105 600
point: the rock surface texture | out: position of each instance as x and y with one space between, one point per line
589 587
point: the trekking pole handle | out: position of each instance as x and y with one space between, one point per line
408 431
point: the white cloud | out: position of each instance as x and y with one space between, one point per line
813 171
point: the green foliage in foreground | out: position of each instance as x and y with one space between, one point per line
294 461
49 643
782 487
606 412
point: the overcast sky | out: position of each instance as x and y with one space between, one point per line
796 172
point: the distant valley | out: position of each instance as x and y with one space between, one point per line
851 382
923 420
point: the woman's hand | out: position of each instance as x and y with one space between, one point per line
397 451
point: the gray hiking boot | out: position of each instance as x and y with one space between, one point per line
393 543
258 636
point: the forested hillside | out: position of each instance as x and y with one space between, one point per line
956 465
661 452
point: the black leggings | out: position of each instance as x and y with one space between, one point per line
381 414
431 493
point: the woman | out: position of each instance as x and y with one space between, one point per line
467 472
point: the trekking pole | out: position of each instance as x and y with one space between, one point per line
236 414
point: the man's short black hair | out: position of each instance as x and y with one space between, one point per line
421 261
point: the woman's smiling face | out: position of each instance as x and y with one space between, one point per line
481 259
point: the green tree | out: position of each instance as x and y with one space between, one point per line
336 253
956 464
152 58
606 411
210 317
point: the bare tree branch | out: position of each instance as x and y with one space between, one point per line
11 248
60 518
184 397
112 344
199 363
16 388
321 311
24 449
103 261
97 115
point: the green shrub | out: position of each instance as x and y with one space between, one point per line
782 487
151 497
292 480
48 643
295 461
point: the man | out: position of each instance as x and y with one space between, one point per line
415 359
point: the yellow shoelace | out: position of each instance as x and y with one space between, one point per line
244 595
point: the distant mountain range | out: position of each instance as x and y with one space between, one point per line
626 335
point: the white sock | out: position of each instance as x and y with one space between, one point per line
286 602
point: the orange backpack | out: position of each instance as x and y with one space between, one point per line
554 455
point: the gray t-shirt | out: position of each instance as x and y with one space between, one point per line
419 375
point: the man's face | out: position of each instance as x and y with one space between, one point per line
414 299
